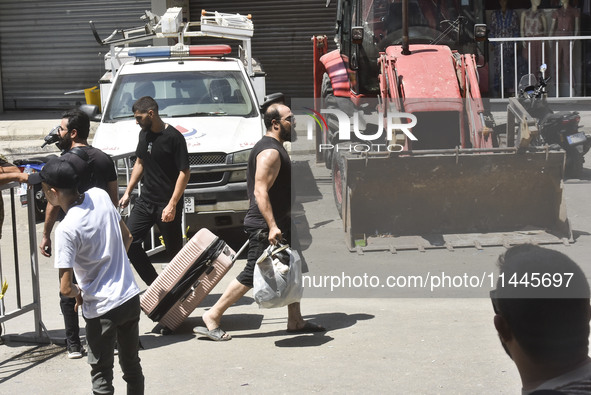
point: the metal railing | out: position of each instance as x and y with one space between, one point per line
40 333
554 47
16 289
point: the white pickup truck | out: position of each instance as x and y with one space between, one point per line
209 97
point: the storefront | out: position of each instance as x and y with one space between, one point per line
47 47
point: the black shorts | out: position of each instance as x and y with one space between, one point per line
257 243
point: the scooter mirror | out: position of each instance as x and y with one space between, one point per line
543 67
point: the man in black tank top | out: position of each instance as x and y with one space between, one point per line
267 220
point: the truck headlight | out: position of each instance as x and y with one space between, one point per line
242 156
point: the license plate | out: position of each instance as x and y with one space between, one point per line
576 138
189 204
22 191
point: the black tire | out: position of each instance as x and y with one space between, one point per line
40 204
339 181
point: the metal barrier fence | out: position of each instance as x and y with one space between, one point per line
40 333
553 41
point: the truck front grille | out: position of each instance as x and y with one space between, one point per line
200 179
206 178
200 159
207 159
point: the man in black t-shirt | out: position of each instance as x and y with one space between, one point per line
163 166
95 169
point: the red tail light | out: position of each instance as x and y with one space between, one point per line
575 119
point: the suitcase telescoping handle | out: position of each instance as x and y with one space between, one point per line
240 251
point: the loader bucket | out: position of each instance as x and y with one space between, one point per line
454 198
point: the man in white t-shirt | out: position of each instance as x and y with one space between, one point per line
92 242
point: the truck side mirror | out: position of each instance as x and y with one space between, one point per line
92 111
272 98
357 34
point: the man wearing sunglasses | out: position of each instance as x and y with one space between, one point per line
95 169
542 315
267 220
98 167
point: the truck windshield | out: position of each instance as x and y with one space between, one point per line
427 19
181 94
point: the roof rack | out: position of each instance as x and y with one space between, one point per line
170 25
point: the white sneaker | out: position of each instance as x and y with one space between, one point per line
75 351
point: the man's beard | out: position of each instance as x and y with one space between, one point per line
287 134
65 143
146 124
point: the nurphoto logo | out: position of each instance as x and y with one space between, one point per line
346 124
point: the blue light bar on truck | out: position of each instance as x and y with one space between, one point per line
180 51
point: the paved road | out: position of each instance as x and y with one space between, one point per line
417 342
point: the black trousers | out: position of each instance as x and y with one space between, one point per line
143 216
121 324
70 318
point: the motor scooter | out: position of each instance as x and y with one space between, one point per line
559 130
32 165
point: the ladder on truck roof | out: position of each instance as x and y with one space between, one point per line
170 25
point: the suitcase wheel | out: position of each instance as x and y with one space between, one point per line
166 331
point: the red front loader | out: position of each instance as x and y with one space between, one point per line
419 165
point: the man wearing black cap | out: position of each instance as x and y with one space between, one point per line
92 242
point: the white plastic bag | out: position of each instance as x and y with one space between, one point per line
277 282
